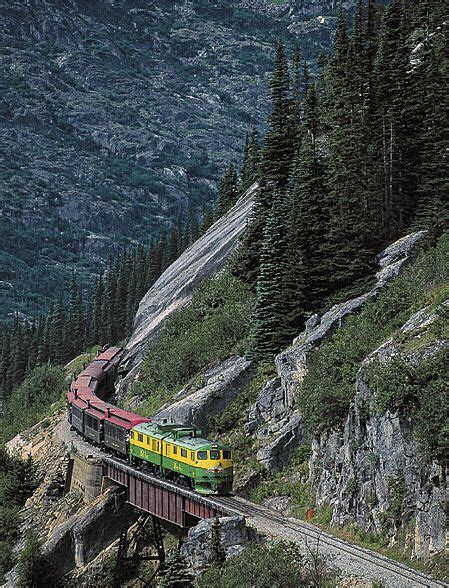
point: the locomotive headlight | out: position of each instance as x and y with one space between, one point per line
215 470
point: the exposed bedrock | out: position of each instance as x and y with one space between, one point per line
222 383
273 417
173 290
84 535
375 461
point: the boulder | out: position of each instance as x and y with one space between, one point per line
222 384
234 536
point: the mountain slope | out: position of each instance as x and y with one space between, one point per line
119 116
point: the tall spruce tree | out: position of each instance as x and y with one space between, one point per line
175 572
217 553
228 193
270 329
251 161
306 281
278 151
349 232
431 66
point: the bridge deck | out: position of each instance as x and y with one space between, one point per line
162 498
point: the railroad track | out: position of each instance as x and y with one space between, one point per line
395 573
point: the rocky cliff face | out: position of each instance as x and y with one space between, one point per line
274 417
375 461
173 290
372 472
117 117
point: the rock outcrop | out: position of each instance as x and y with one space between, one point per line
173 290
278 425
221 386
234 536
72 531
376 461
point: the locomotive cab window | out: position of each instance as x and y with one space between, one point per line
132 434
214 454
192 455
226 454
202 455
175 450
183 452
140 437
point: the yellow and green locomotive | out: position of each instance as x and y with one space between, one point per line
180 453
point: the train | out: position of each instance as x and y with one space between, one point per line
173 451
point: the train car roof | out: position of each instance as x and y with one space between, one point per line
92 371
192 443
79 403
101 363
123 418
82 390
97 408
110 353
84 382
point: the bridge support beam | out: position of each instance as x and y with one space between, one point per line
161 498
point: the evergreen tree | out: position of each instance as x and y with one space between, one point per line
194 231
207 219
431 67
279 146
74 332
279 141
57 344
175 573
108 307
32 569
349 234
20 482
251 161
228 192
217 553
307 273
269 328
97 333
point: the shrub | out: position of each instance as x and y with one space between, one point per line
31 401
276 565
32 569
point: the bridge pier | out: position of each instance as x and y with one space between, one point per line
86 476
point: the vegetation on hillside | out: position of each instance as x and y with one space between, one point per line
272 565
329 385
352 159
214 326
17 482
77 322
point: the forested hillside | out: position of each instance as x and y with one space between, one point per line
352 159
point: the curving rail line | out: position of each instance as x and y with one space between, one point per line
96 381
365 556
